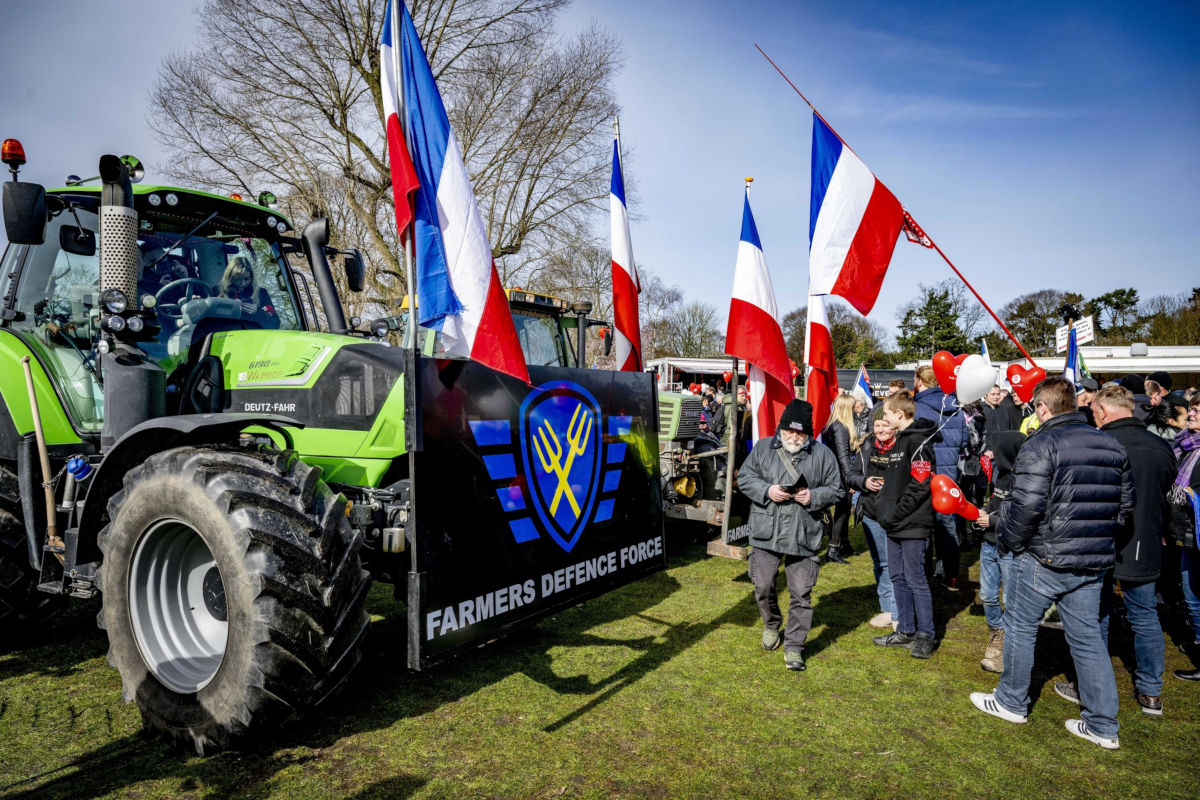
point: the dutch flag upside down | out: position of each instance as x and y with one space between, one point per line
626 286
854 222
458 289
754 334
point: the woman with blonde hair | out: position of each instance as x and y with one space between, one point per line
841 436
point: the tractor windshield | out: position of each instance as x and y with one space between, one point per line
211 281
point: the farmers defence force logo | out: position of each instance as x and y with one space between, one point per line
570 476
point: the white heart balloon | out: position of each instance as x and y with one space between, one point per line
975 377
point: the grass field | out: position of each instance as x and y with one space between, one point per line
658 690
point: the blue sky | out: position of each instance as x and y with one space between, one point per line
1042 145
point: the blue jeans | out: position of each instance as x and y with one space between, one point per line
1189 568
910 588
992 571
945 535
1030 588
1148 643
877 544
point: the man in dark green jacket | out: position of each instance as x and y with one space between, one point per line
790 479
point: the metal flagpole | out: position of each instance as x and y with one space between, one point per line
915 233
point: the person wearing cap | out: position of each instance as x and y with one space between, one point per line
1137 385
1083 398
790 479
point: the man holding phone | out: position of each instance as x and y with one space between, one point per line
790 480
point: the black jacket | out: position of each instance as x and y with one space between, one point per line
1140 401
837 439
905 504
1139 541
868 462
1072 489
1004 417
1004 445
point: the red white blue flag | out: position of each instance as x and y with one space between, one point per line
821 384
854 222
625 283
754 334
458 289
862 386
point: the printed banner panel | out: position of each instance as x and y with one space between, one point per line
528 498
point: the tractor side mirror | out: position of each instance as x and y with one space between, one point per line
24 212
77 241
606 336
356 271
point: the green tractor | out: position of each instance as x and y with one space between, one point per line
179 437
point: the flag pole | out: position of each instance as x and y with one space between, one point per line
731 445
924 237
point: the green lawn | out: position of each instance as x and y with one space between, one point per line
657 690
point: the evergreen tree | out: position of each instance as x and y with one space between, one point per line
930 324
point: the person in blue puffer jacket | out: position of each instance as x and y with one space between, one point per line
942 410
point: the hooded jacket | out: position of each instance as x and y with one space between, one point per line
1072 490
1139 540
942 410
905 506
868 462
789 527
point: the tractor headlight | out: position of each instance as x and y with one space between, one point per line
172 199
380 328
149 301
271 222
135 324
281 227
154 200
114 301
115 324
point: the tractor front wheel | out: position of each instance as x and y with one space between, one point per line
232 592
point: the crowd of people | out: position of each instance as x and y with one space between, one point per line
1088 519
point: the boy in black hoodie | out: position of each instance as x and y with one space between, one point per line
905 510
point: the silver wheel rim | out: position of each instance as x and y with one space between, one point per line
180 628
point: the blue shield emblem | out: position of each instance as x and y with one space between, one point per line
561 433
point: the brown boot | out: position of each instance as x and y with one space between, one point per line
993 656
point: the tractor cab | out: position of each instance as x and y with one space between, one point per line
207 264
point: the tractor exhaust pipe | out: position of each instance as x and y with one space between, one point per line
120 260
313 239
134 385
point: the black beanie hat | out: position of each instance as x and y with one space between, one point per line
1163 379
797 416
1134 383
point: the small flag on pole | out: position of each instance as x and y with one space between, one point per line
1071 367
862 386
754 334
984 349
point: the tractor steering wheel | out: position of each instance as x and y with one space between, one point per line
173 310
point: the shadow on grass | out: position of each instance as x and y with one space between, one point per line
380 693
840 612
58 646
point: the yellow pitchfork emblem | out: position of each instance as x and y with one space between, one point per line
550 453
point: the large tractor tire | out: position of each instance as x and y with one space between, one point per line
22 606
232 592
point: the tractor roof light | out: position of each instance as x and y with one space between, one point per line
235 196
12 154
172 199
154 200
114 301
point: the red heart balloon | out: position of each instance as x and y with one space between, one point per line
727 375
961 358
945 367
1024 380
949 499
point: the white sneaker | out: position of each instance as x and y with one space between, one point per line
881 620
1080 729
986 702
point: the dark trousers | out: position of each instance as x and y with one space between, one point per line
945 532
910 587
839 530
801 573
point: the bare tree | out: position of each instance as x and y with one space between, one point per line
692 332
285 95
